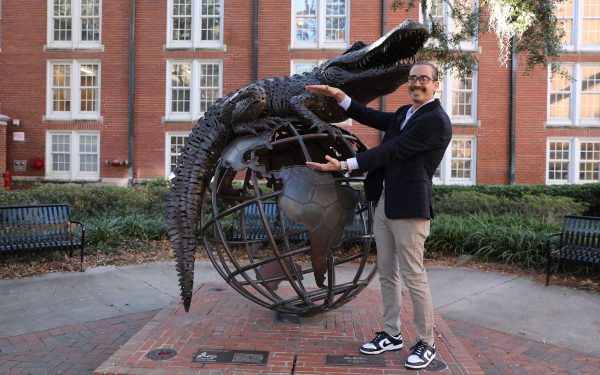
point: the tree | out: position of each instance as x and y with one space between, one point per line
531 24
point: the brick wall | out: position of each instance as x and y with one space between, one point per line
2 152
24 58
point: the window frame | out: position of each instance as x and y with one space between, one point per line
574 160
446 165
168 153
195 90
196 32
447 78
315 62
575 119
450 26
76 42
75 87
577 31
321 43
74 173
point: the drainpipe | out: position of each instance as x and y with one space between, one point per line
513 109
384 18
131 129
255 43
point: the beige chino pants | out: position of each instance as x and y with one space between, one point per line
400 247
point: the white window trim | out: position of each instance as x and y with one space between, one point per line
75 113
168 136
194 113
575 119
321 43
449 24
75 42
447 103
446 165
577 31
74 174
574 159
196 41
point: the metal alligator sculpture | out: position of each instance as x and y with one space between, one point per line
364 71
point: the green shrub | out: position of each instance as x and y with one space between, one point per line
586 194
507 238
542 206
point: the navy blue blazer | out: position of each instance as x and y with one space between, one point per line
406 160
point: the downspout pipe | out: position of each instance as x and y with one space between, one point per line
131 89
255 44
513 112
384 19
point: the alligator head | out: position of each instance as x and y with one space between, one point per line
368 71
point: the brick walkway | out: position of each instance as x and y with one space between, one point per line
81 348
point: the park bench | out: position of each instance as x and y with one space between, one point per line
40 227
578 242
255 232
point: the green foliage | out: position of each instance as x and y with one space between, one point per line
532 22
494 223
586 194
542 206
506 238
111 215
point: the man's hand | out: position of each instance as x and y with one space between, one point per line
332 165
326 90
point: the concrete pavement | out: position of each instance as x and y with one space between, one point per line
554 315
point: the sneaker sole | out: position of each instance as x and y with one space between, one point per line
386 349
418 367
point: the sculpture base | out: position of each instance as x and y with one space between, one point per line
220 318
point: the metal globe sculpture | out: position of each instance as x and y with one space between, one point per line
278 236
264 132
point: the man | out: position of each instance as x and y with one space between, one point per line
416 137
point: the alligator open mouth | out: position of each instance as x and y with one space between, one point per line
397 48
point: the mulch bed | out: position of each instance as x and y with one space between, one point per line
15 266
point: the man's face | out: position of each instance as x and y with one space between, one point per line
421 93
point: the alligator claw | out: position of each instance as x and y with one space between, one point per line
254 127
323 127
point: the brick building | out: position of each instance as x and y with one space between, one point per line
106 90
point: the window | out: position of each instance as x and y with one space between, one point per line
575 101
195 24
74 24
441 14
174 147
573 160
581 22
72 155
320 23
192 87
458 165
458 96
73 90
303 66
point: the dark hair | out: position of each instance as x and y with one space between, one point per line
433 68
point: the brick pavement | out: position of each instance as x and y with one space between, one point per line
73 349
220 318
81 348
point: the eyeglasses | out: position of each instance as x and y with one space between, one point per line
422 79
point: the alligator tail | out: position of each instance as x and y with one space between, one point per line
195 168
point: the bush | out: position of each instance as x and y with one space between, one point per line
507 238
586 194
543 207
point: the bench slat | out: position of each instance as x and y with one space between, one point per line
579 243
39 227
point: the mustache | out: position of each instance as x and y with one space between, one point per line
414 88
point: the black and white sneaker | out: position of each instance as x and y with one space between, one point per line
382 343
420 356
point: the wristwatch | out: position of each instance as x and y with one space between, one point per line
343 166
